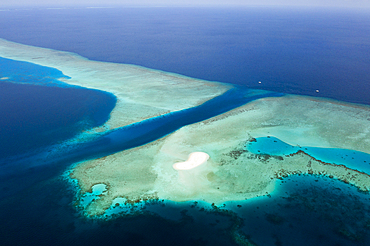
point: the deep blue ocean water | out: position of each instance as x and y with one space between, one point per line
37 110
288 50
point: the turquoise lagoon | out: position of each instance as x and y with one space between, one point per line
350 158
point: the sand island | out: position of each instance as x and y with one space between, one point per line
221 168
195 159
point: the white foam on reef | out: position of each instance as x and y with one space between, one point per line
141 92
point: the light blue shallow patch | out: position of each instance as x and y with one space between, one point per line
350 158
89 197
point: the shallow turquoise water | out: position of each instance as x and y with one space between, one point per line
351 158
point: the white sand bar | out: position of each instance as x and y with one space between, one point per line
195 159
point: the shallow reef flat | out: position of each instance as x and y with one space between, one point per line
141 93
232 173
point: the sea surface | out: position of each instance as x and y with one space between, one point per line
317 52
298 50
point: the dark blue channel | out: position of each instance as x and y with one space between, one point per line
146 131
